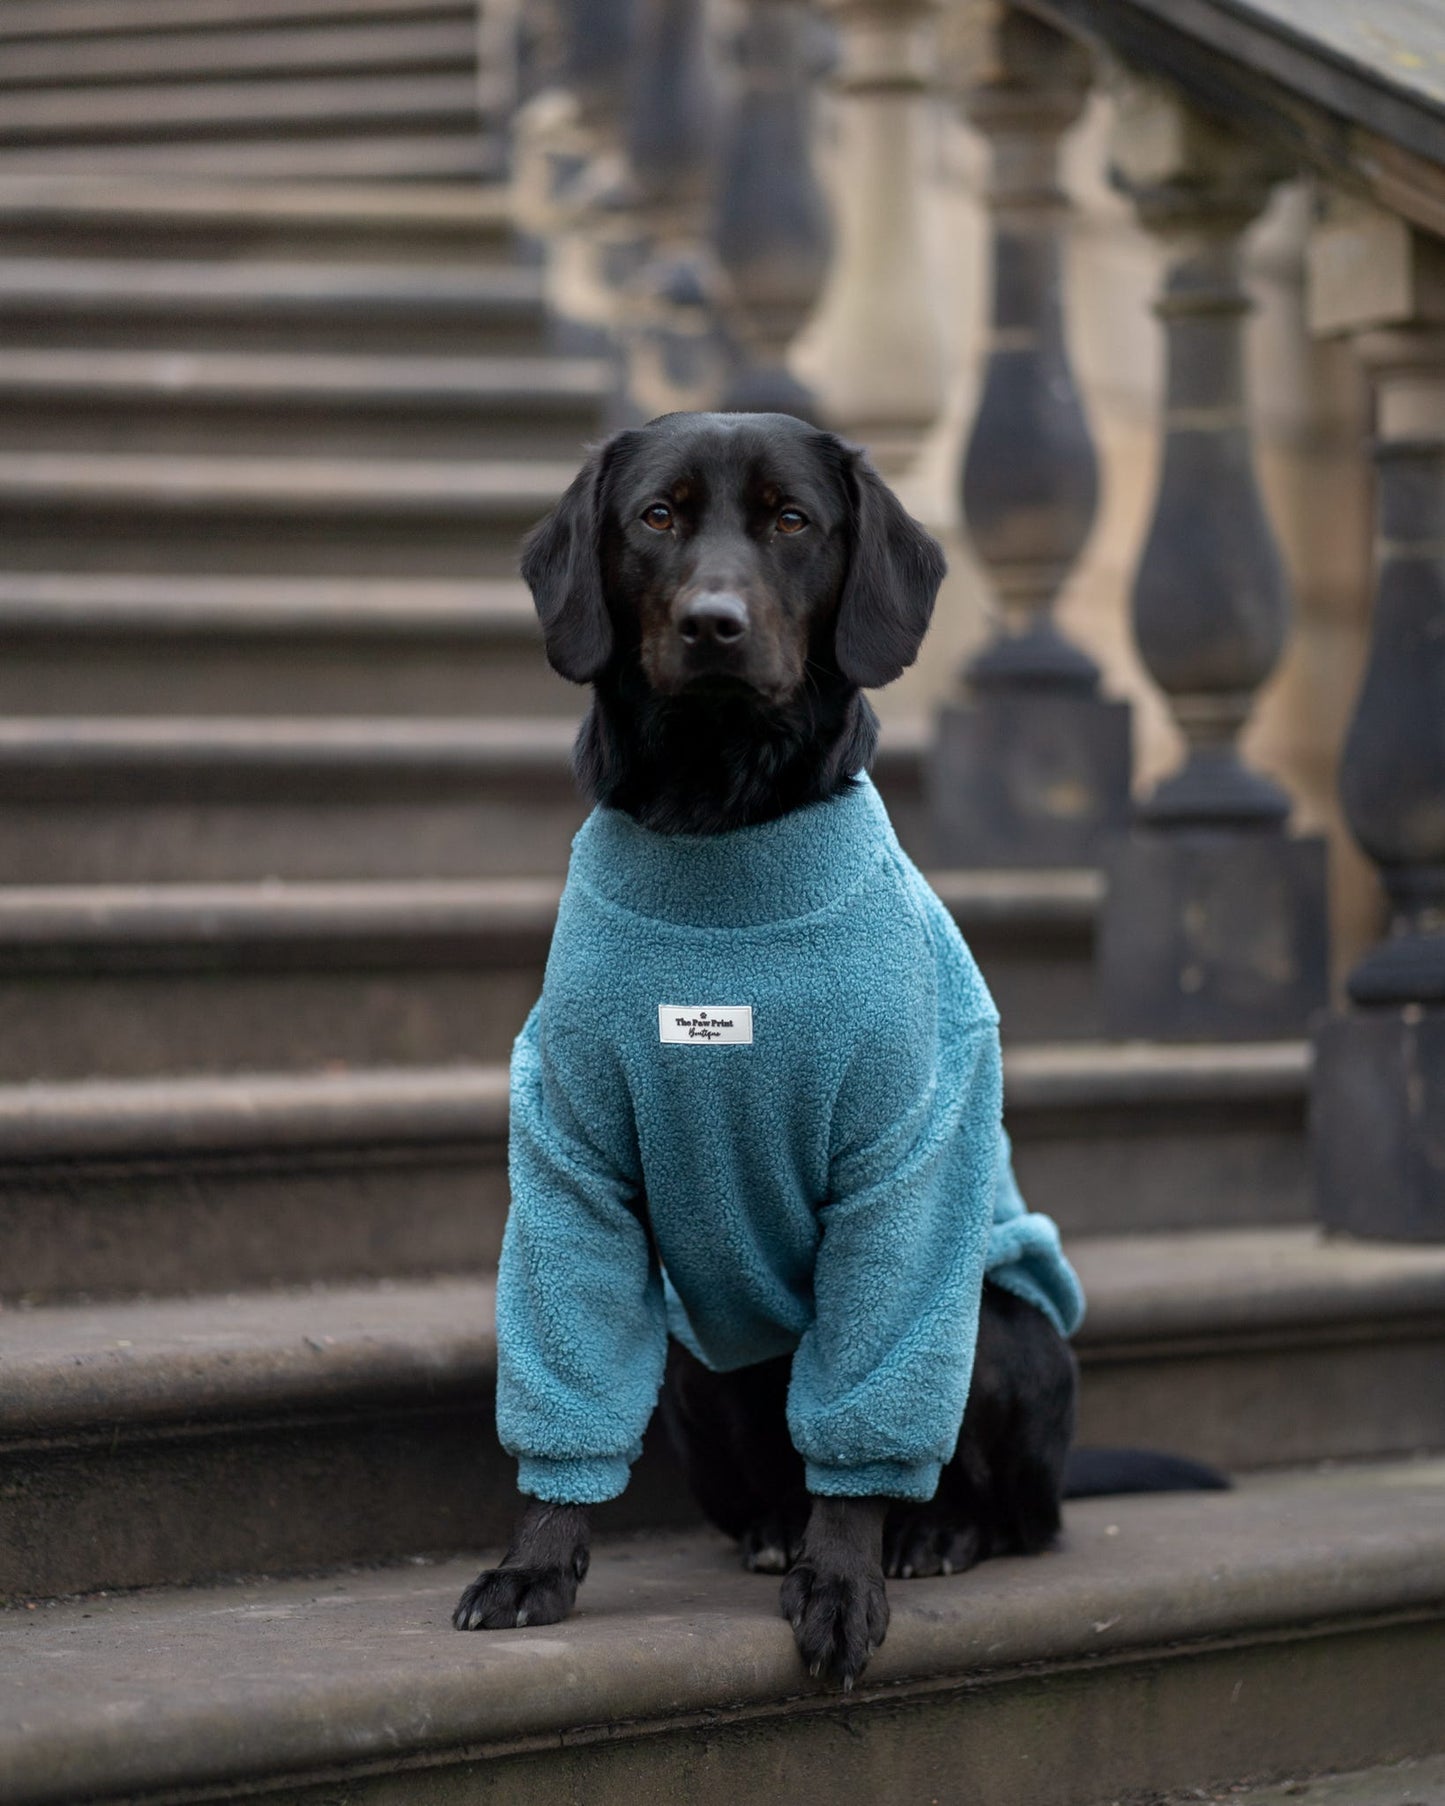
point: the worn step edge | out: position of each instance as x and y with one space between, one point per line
110 927
271 380
112 1122
245 51
21 19
155 109
77 201
72 1369
63 924
92 748
101 287
77 607
482 488
81 1369
1083 1075
116 1119
284 1682
401 151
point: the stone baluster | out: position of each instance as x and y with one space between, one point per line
1379 1086
1034 766
878 361
770 224
674 352
567 161
1215 923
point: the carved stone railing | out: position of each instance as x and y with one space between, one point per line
1215 919
1353 95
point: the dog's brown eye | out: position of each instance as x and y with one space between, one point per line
658 517
792 520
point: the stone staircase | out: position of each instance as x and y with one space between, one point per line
288 89
284 807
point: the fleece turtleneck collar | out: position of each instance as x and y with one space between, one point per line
774 872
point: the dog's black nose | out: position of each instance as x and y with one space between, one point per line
714 618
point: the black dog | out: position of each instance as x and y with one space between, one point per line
729 585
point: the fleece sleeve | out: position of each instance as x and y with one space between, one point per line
581 1326
1026 1257
881 1376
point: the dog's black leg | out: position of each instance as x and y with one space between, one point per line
539 1576
835 1597
730 1431
1000 1494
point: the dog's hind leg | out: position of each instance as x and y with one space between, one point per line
1000 1493
730 1431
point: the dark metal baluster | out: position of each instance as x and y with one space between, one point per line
1035 765
1379 1093
1216 918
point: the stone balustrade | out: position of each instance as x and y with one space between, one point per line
1215 919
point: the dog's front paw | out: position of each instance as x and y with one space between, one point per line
837 1619
508 1598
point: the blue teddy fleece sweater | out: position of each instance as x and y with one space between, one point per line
779 1039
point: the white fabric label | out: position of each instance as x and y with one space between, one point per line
697 1025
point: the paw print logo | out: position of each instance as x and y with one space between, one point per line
702 1015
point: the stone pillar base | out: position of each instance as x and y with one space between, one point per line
1377 1128
1029 779
1213 934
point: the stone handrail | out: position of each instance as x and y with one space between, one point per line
1215 919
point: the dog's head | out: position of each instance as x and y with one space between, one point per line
731 553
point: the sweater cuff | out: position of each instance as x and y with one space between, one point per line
875 1480
588 1481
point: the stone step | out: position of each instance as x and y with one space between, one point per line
440 43
301 403
171 1184
84 214
171 1439
179 1184
122 801
166 112
270 515
96 644
1417 1781
1173 1643
338 1424
1145 1136
128 981
22 20
169 305
416 152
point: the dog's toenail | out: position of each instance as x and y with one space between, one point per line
905 1573
847 1683
521 1620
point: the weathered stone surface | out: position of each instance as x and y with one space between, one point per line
97 643
1378 1123
271 1407
1213 935
1172 1642
1029 778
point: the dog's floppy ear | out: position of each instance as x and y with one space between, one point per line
562 566
894 570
